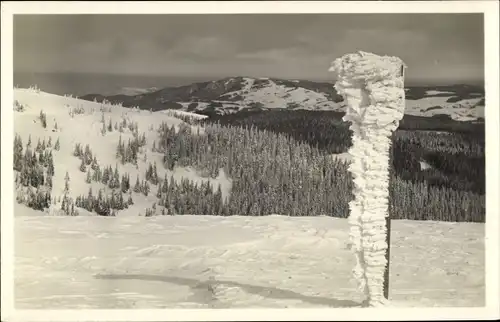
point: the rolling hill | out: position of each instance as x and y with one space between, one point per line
233 94
71 121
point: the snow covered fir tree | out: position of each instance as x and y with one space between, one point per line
270 172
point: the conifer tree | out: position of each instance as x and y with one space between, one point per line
137 187
38 146
18 153
154 175
164 185
49 181
64 204
112 201
105 175
103 129
149 171
43 118
88 155
94 165
41 159
121 202
115 183
95 176
158 192
83 167
89 177
66 183
119 152
77 150
146 189
57 146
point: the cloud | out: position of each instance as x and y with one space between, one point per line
204 48
272 44
274 54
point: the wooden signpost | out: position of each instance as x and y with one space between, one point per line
373 89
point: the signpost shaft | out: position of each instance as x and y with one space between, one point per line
373 89
387 257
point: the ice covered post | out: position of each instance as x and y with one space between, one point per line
373 89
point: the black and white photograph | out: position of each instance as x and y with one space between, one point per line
250 159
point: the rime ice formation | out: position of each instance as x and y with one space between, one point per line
372 87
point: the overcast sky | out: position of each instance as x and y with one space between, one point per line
436 47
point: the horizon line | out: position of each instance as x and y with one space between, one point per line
420 82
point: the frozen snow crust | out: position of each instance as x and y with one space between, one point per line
374 81
373 88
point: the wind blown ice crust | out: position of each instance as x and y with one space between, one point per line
373 88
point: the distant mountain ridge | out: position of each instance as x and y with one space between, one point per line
233 94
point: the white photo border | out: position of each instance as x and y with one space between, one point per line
490 9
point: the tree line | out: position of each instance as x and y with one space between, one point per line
271 172
274 173
34 170
457 155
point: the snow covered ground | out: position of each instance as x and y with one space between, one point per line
233 262
463 110
272 93
135 90
85 127
130 261
184 113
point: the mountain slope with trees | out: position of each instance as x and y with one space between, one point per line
233 94
114 160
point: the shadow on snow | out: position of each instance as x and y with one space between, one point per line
203 291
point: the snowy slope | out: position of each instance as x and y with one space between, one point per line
136 91
463 110
184 114
232 94
274 95
233 262
280 96
131 261
85 129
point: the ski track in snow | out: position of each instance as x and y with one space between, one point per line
232 262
